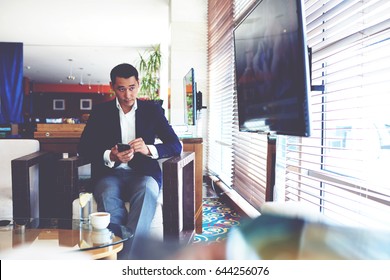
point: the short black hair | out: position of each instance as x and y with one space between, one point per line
123 70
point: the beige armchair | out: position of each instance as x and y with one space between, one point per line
178 207
25 179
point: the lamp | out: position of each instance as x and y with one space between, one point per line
81 77
89 81
70 77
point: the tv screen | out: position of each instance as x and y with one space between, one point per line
190 98
272 72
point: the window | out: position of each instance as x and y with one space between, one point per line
219 143
58 104
85 104
341 169
237 158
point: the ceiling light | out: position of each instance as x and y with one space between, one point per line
71 77
89 81
81 77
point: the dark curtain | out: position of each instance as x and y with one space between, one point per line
11 83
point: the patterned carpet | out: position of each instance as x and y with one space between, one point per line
218 218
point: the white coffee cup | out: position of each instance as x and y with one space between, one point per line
100 220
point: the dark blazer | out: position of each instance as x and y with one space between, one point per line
102 132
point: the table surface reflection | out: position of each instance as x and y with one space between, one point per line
74 235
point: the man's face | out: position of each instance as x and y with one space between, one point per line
126 90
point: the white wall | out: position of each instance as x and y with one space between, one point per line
188 49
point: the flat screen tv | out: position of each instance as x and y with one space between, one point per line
272 69
189 88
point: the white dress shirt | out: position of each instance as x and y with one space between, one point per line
127 123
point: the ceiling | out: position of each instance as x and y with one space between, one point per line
95 34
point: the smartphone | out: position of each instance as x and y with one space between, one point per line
123 147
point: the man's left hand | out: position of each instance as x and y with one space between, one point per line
139 146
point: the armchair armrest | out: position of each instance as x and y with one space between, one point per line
179 197
32 200
68 184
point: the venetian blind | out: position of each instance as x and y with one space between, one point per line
341 169
250 149
239 159
221 88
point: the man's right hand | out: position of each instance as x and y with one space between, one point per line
123 157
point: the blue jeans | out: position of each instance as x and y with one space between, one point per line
113 191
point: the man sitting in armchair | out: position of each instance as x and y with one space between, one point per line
132 175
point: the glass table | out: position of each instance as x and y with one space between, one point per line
62 236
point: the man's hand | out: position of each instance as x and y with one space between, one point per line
139 146
123 157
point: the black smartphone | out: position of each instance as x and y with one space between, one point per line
123 147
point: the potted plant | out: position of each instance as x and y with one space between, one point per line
149 68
